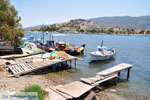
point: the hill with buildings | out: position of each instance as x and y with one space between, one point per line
89 26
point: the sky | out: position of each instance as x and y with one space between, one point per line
39 12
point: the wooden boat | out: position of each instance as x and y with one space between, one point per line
62 46
48 47
7 49
102 53
72 50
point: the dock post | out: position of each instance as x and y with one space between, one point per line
70 63
75 63
128 75
118 74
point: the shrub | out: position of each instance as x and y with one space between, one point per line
35 88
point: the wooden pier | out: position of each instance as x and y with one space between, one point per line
25 67
116 69
77 89
68 91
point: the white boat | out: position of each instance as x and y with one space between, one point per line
102 53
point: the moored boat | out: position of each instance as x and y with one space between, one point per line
102 53
72 50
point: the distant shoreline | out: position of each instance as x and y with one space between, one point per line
92 33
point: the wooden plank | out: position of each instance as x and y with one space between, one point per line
28 64
21 68
60 93
25 68
11 68
86 80
47 64
104 80
36 64
33 65
90 96
30 68
75 89
114 69
54 96
18 68
15 68
39 63
91 80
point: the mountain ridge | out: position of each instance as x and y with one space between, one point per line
139 22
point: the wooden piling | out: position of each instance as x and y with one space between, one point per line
118 74
75 63
70 63
128 74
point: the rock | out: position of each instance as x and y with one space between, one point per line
46 84
113 90
12 93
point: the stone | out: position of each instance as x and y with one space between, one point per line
113 90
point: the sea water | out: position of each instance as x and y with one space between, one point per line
134 50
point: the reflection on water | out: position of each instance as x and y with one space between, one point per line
134 50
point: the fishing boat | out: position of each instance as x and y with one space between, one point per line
102 53
7 49
32 39
72 50
62 46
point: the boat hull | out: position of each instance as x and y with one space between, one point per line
97 57
74 52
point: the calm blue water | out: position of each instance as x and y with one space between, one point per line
134 50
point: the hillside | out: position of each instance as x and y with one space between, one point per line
33 27
141 22
74 26
88 26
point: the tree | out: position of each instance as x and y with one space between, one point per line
81 30
141 32
10 28
148 32
127 31
110 30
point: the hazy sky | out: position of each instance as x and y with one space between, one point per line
38 12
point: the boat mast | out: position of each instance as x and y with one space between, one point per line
43 34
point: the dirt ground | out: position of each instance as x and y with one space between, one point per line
13 84
16 84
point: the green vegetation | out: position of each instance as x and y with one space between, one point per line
110 31
37 50
35 88
10 28
49 28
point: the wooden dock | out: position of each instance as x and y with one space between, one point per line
68 91
77 89
74 89
116 69
24 68
95 81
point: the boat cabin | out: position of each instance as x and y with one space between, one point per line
61 45
99 48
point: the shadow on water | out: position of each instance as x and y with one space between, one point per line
100 63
